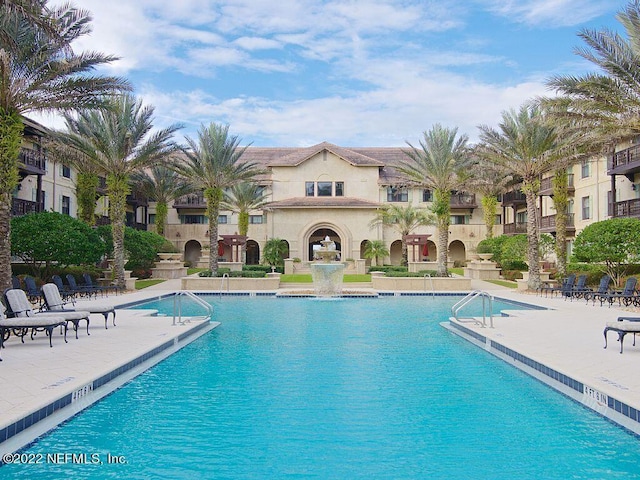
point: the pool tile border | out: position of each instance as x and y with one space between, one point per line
574 389
10 431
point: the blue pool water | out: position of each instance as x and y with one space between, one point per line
358 388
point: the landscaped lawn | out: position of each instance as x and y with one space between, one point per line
140 284
306 278
504 283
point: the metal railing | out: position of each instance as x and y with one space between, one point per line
177 306
433 290
486 299
225 275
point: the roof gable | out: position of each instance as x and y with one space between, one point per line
299 156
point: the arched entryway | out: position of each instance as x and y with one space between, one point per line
318 235
396 252
431 252
192 251
457 251
253 253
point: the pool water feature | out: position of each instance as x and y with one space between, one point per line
360 388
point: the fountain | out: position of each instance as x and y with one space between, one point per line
327 273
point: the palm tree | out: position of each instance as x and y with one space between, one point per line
274 251
161 184
375 249
526 146
441 164
489 182
212 164
241 199
40 73
118 142
404 220
34 12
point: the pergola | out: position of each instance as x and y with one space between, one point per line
235 242
418 242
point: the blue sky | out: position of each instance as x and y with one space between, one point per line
350 72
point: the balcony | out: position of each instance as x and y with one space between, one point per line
32 162
21 207
546 186
514 228
626 208
193 200
137 199
514 198
625 162
463 200
548 224
104 220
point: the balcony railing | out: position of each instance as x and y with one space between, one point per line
514 228
546 185
463 200
626 208
625 158
548 223
514 197
34 160
21 207
194 200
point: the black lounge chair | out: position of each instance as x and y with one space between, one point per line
18 306
79 289
623 326
15 282
33 292
579 289
22 326
92 287
88 281
603 289
65 291
564 288
53 303
626 296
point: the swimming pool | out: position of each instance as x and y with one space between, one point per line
332 389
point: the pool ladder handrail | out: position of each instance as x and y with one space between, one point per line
225 275
433 290
486 298
177 306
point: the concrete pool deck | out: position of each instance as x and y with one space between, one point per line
566 340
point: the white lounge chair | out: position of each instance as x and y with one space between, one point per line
53 303
19 306
623 326
21 326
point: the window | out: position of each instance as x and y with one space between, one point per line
586 208
256 219
498 219
222 219
459 219
521 217
152 219
427 195
309 188
66 205
324 189
397 194
339 189
586 169
65 171
193 219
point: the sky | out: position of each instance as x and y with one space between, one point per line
350 72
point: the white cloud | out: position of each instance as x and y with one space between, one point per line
549 12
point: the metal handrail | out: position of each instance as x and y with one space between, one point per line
177 306
224 275
433 290
455 309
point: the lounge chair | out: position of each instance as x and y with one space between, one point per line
65 291
88 281
603 289
18 306
626 296
579 289
20 327
564 288
53 303
623 326
90 286
33 292
15 282
79 289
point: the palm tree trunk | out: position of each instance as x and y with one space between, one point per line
561 202
443 241
161 217
86 192
213 197
532 239
489 203
11 128
118 190
243 229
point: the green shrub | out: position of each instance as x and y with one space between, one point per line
511 275
388 268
